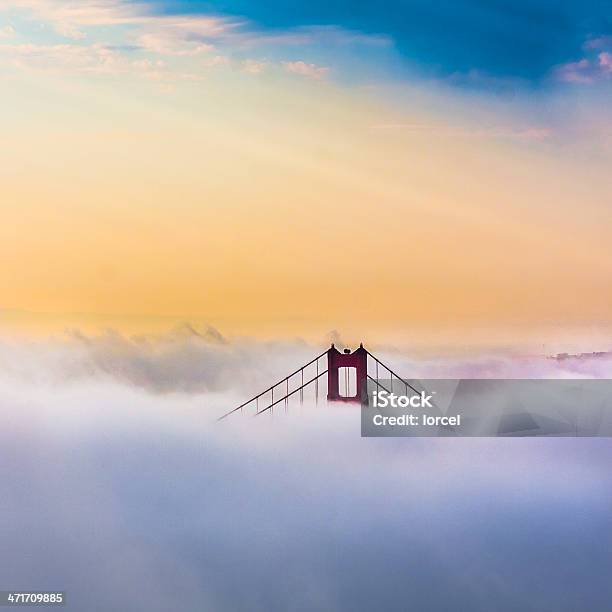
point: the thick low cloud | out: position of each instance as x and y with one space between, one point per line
184 360
132 499
190 360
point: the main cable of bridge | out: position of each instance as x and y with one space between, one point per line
393 374
300 388
280 382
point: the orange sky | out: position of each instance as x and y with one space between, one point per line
280 205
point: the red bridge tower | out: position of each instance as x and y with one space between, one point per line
358 360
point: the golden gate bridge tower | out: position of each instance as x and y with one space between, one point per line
344 362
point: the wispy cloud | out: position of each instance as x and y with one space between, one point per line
595 67
173 34
95 59
307 35
586 71
157 36
252 66
164 44
186 359
214 61
302 68
599 42
532 133
92 58
153 34
69 17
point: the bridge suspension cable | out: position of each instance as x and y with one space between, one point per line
288 394
300 388
378 362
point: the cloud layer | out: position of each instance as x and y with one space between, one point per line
128 499
193 360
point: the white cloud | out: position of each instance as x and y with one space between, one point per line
589 69
605 62
194 360
90 59
93 58
186 359
252 66
164 44
311 71
71 18
586 71
129 498
152 34
575 72
215 61
140 29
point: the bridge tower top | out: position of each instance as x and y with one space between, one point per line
358 360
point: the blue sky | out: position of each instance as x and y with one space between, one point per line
482 43
519 39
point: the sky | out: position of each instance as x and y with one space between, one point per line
418 172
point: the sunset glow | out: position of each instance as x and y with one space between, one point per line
162 164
